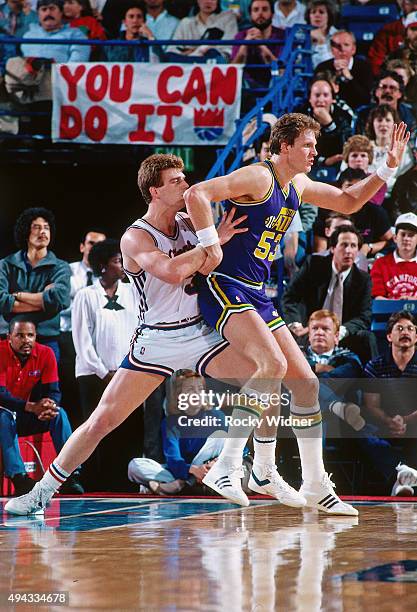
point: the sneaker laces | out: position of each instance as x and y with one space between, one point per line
327 480
39 496
235 471
272 473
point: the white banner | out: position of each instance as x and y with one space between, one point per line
140 103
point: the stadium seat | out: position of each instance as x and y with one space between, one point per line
365 21
383 309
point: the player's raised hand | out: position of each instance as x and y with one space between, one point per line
227 227
399 139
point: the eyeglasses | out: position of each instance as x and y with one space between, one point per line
401 328
389 87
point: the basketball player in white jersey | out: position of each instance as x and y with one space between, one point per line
160 255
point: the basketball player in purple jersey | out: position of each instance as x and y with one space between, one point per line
232 297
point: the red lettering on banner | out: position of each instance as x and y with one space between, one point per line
72 80
196 87
121 92
223 85
169 112
96 123
142 111
70 122
97 82
163 94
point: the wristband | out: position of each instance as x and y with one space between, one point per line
384 172
208 236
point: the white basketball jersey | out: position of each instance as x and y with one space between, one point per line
161 302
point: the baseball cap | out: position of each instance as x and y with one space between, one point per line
406 221
411 19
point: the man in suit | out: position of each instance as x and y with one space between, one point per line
334 282
354 76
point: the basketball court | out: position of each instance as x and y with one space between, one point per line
146 553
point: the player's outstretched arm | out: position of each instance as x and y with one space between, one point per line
354 197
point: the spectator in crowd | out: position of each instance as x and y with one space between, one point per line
135 29
354 74
371 220
409 77
15 18
104 317
333 366
29 402
394 276
188 458
379 129
389 89
320 14
404 193
333 283
324 226
34 283
390 37
358 154
390 404
209 23
81 276
261 29
79 14
287 13
159 21
336 123
51 25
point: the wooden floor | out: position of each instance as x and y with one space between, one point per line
191 554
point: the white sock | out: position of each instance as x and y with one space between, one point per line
54 477
309 439
238 434
264 450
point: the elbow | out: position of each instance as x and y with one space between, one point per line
190 196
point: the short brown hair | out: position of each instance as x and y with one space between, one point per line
289 127
358 143
337 215
379 112
322 314
397 316
150 171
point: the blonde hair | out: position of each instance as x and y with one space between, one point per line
289 127
358 143
322 314
150 171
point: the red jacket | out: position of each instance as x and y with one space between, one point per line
394 280
388 39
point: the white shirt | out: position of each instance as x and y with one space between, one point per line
78 280
102 336
296 16
296 226
399 259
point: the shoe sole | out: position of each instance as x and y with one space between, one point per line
15 513
331 511
263 491
240 501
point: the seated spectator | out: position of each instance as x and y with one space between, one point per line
331 362
354 74
358 154
159 21
29 402
389 89
261 28
390 404
136 29
394 277
408 50
324 226
320 14
79 14
16 17
333 283
371 220
28 79
333 79
207 24
34 283
409 77
404 193
287 13
336 123
104 317
188 458
379 129
390 37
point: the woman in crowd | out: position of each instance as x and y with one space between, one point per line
79 14
209 23
321 15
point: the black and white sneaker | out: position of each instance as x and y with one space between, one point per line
33 502
226 479
321 495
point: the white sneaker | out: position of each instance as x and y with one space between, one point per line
268 481
406 480
33 502
225 478
321 495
